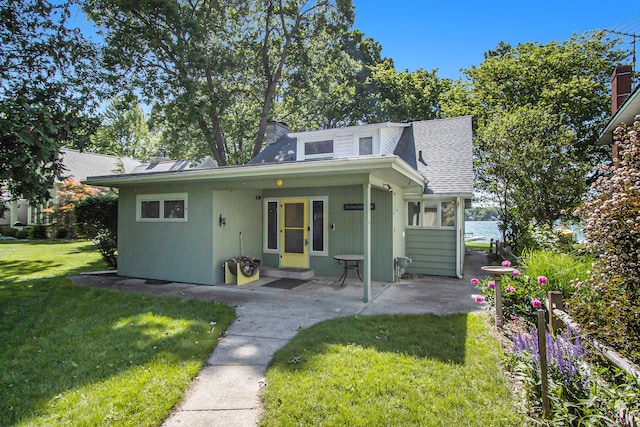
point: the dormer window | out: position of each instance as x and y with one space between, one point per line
365 145
316 149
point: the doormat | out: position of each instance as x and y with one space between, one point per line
285 283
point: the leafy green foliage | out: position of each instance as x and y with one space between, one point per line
390 370
537 109
215 67
608 302
85 356
124 131
49 85
38 232
107 244
96 213
8 231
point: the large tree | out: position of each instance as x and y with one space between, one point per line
124 131
538 109
215 66
46 92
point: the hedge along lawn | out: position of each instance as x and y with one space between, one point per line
81 356
408 370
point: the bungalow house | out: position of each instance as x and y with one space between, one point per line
382 191
78 165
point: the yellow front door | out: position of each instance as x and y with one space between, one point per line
295 233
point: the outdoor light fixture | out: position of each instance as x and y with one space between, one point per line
222 221
387 187
279 182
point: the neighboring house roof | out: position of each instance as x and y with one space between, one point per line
79 165
625 114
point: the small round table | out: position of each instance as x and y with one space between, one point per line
498 271
349 262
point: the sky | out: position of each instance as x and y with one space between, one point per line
450 35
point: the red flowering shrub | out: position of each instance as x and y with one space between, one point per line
608 303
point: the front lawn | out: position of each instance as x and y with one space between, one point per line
82 356
409 370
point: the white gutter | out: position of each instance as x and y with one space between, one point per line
459 237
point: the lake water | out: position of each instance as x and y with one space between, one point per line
486 229
489 230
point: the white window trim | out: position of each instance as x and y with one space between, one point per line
265 226
438 214
161 198
325 225
301 149
375 143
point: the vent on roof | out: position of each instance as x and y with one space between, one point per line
421 159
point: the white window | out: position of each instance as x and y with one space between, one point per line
365 145
318 149
162 207
431 213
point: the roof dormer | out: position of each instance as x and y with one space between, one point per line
352 141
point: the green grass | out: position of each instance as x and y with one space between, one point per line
478 246
81 356
409 370
560 268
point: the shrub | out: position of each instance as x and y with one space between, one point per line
608 302
96 213
22 234
62 233
107 245
561 269
8 231
38 232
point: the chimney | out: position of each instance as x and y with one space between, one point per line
620 86
159 157
274 131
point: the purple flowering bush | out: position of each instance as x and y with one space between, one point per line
579 394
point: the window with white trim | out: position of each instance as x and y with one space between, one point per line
365 145
431 213
170 207
318 149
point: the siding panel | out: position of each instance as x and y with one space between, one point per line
433 251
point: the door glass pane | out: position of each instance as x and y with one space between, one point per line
430 214
150 209
293 241
413 208
272 225
318 225
448 212
294 215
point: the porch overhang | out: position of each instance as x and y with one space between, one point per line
377 170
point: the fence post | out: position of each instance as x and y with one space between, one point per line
555 301
542 351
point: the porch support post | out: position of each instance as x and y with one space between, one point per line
366 241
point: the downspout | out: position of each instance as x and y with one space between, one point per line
459 237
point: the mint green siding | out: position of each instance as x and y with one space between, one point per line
192 251
433 251
346 236
179 251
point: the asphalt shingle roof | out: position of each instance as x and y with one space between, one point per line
79 165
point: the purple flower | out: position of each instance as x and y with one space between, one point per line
506 263
542 280
479 299
474 281
536 303
515 273
510 288
491 284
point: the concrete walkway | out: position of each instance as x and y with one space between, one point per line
227 390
